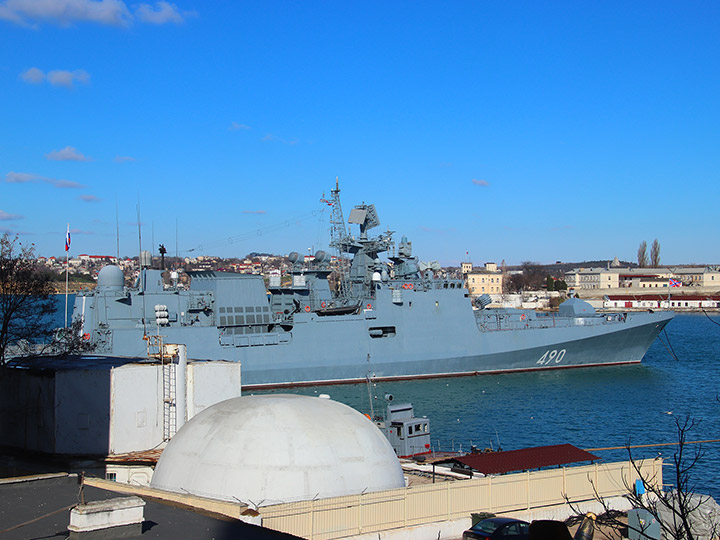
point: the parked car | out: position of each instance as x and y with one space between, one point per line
499 528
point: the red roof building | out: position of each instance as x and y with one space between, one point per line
523 459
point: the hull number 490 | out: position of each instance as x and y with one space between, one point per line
551 356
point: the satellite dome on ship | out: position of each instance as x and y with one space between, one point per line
110 278
277 448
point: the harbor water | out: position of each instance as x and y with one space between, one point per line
589 408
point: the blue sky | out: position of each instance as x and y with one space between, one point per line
510 130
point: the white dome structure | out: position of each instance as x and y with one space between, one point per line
110 278
277 448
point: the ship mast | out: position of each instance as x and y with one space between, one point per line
339 239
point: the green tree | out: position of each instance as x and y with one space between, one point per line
550 283
26 305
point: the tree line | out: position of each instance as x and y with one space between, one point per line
642 255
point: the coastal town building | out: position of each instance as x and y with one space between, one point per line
487 280
642 278
662 301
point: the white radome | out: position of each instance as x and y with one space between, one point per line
110 277
277 448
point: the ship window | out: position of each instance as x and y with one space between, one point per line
222 310
250 309
251 319
266 309
223 320
266 319
111 476
238 309
239 319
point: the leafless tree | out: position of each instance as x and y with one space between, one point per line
26 305
642 257
655 253
532 277
678 511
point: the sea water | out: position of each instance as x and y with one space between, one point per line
590 408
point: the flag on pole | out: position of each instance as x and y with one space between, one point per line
67 238
674 282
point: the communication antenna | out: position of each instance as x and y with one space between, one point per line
152 244
141 275
117 228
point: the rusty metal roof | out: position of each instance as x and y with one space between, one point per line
150 457
524 459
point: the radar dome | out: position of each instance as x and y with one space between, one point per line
278 448
293 257
110 278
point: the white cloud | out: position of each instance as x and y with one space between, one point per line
480 182
21 178
65 12
33 76
61 77
123 159
66 154
274 138
106 12
4 216
236 126
63 184
89 198
24 178
56 77
163 12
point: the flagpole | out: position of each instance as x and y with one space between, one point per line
67 269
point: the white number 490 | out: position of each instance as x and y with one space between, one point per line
551 356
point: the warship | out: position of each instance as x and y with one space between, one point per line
389 319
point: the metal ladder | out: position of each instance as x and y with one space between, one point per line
169 381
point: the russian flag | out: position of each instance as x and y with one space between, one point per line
67 238
674 282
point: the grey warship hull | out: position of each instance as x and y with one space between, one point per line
386 321
331 350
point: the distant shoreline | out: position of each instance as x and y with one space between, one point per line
73 287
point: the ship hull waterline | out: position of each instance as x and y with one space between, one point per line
276 366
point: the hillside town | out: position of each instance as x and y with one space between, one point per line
616 284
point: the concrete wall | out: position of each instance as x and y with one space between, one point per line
82 411
101 411
136 408
27 410
211 382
